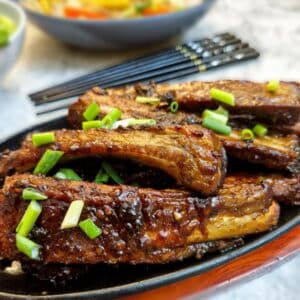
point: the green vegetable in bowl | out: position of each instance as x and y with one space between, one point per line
7 28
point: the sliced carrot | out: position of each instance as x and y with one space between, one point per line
158 10
75 13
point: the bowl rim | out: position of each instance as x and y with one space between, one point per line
17 8
116 21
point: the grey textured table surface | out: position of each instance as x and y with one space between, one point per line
273 26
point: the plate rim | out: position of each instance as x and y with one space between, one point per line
157 281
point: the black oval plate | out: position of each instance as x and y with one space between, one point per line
106 282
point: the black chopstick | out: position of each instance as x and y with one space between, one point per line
197 66
203 52
242 54
136 77
130 65
156 65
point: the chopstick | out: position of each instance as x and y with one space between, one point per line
146 72
156 65
149 75
178 52
241 53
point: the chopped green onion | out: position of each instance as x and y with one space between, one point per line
216 126
68 174
91 124
273 85
147 100
4 37
29 218
32 194
111 118
222 96
141 6
43 138
7 28
207 113
222 111
7 24
73 214
91 112
260 130
27 247
48 161
174 107
101 177
133 122
90 228
112 173
247 135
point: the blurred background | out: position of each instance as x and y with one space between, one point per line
270 26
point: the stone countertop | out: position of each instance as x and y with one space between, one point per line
272 26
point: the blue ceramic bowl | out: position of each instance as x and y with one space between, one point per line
118 34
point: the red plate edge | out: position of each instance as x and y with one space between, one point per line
246 267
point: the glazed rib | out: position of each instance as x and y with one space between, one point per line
275 151
252 101
137 224
59 272
252 98
192 155
285 189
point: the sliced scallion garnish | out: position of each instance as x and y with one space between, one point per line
112 173
91 112
43 138
91 124
147 100
216 126
222 96
222 111
72 215
207 113
27 247
111 118
260 130
90 228
68 174
273 85
141 6
174 106
29 218
247 134
101 177
32 194
47 161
